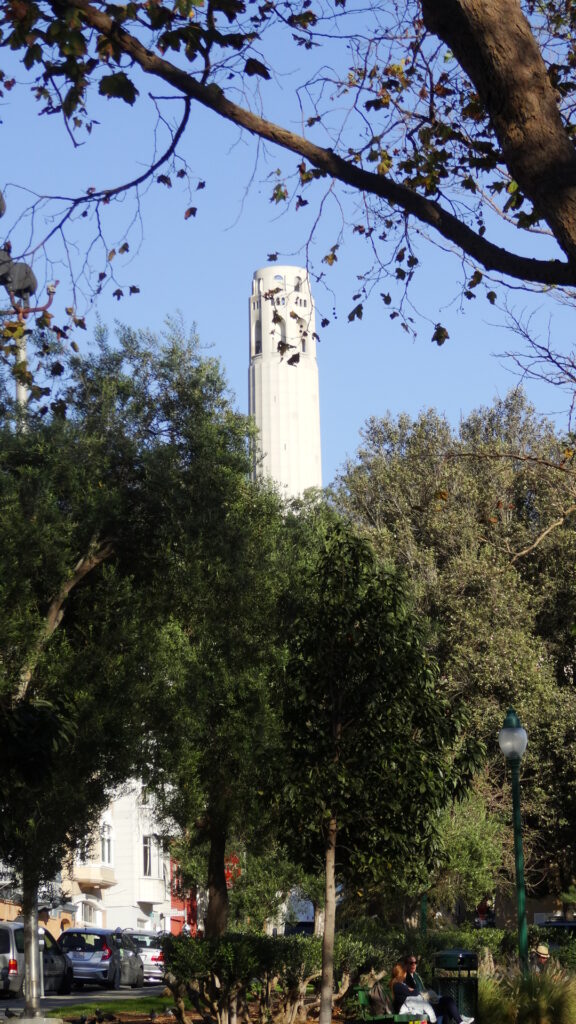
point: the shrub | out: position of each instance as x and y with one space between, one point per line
220 976
547 998
495 1006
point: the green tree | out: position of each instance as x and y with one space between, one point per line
112 519
216 733
481 520
472 841
261 891
364 718
205 541
69 623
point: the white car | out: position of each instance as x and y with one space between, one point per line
150 949
56 968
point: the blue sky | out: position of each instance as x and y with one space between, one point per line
203 266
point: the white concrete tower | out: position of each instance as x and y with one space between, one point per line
283 379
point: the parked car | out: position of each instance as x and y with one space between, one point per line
56 968
150 949
103 957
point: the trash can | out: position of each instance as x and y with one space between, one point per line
456 975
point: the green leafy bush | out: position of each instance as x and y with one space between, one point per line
220 976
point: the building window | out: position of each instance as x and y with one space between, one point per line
297 284
257 338
106 844
89 913
152 859
147 855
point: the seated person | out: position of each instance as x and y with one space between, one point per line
542 958
413 979
398 987
444 1006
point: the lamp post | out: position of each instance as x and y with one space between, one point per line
513 741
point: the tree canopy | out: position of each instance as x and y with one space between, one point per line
482 520
113 518
454 118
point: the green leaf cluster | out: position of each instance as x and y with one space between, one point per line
480 520
363 711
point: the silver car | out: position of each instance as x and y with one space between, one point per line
56 968
150 949
103 957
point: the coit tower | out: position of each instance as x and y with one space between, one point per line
283 379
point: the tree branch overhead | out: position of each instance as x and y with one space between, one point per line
439 134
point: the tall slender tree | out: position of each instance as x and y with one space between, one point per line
364 718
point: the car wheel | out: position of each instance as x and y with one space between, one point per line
139 980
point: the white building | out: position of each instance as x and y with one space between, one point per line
125 880
283 379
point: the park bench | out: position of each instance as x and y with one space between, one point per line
363 1012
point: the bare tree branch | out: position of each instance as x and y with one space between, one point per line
95 197
544 534
492 257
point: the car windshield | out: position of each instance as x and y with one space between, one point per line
93 943
146 940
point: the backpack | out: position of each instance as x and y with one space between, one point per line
379 1000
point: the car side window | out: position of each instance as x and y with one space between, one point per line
19 940
49 942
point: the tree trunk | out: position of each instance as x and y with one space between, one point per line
32 968
493 42
217 914
327 987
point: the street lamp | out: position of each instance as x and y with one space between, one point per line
513 741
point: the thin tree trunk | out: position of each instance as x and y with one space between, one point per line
318 920
217 914
32 977
327 987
